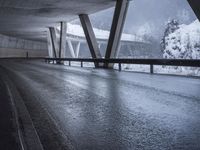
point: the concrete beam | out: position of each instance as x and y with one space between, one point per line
195 5
71 49
77 49
49 44
118 50
62 44
90 36
116 30
54 41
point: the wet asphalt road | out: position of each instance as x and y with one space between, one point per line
8 134
95 109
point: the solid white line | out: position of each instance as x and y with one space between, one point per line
16 119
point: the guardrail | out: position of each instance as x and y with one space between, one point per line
151 62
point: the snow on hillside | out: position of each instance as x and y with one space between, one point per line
184 43
77 30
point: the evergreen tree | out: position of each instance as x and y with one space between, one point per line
172 26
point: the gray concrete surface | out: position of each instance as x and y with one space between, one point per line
87 109
16 47
30 19
12 52
17 43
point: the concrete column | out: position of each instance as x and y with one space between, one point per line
99 46
54 41
71 49
62 44
49 44
195 6
116 29
90 36
118 50
77 49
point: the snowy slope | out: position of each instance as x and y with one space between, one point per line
184 43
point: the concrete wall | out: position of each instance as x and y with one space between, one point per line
14 47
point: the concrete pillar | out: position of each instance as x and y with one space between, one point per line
49 44
90 36
195 6
118 50
99 46
116 29
71 49
62 42
54 41
77 49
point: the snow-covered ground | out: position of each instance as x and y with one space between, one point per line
186 71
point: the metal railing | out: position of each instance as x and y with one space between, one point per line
151 62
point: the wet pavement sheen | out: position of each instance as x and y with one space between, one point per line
93 109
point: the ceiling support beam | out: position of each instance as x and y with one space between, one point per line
62 41
118 50
77 49
71 49
54 41
195 5
74 52
119 17
49 44
90 36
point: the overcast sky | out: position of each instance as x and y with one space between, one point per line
148 16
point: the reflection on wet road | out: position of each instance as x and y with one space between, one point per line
104 109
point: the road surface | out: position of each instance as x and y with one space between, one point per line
95 109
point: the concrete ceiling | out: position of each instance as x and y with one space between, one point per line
29 19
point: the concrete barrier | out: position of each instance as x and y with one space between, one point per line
11 52
16 47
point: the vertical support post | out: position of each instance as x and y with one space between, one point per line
69 63
54 41
151 69
26 55
90 36
116 30
62 44
81 64
120 67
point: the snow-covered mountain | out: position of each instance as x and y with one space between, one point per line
184 43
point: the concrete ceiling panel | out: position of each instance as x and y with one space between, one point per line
29 18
